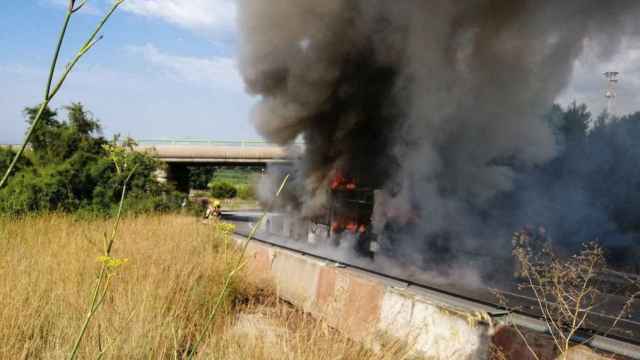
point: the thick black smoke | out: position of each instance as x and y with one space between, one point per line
433 101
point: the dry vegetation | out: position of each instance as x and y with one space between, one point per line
568 289
158 300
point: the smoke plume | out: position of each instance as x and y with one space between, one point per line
437 102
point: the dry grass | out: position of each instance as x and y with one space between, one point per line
158 301
277 331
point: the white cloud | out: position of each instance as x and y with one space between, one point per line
215 72
211 15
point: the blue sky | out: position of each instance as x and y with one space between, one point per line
157 73
166 68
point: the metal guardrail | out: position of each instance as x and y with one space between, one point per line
236 143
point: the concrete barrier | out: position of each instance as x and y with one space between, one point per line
296 278
365 307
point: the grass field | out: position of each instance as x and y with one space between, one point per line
158 300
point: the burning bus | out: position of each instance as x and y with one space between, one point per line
356 216
348 216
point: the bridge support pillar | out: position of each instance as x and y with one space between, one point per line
178 175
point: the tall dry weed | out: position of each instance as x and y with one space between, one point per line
161 295
159 300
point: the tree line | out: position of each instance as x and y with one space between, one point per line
590 191
67 169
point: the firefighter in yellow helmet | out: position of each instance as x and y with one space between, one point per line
212 210
217 209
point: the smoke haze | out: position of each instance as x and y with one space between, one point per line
436 102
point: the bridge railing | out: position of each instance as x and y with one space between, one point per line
207 142
231 143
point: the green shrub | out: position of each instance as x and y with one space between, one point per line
246 192
235 175
222 190
30 191
71 172
7 155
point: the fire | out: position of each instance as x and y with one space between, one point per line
347 193
348 224
340 182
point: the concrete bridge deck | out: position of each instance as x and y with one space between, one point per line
203 151
214 152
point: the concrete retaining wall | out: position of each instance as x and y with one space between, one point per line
364 307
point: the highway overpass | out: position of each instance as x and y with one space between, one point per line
213 152
180 155
209 152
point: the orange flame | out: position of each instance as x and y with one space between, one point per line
341 182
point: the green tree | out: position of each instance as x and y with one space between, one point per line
56 141
223 190
81 120
6 155
575 123
72 171
46 133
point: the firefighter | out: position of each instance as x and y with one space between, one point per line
217 209
212 210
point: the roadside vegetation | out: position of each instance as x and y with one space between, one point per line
590 190
567 290
229 183
172 272
233 187
68 169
